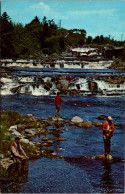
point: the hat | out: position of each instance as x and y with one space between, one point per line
110 118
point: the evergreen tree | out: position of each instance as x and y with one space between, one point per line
7 49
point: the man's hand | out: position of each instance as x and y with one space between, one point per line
21 157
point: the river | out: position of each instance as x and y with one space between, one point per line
74 174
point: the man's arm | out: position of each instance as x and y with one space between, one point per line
112 128
14 151
104 127
23 152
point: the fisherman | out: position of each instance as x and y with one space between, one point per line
58 101
16 151
108 129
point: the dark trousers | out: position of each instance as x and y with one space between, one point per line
57 111
22 164
107 146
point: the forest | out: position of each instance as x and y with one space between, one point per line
41 38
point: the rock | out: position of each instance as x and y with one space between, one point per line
102 117
31 131
30 115
47 143
97 124
16 133
77 119
57 119
62 85
24 140
85 125
6 163
100 157
93 86
1 156
21 127
13 128
48 85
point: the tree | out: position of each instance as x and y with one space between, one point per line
7 49
89 40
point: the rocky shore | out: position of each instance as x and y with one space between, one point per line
27 127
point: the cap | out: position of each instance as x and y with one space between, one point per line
110 118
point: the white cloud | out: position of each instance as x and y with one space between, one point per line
44 9
92 12
41 7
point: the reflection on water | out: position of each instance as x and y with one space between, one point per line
107 182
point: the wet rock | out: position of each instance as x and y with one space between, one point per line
77 119
100 157
52 138
62 85
85 125
47 143
57 119
93 86
31 131
102 117
48 85
97 124
73 92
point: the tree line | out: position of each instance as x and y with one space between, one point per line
37 39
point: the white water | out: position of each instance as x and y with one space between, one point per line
27 85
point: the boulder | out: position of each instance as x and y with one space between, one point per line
77 119
102 117
62 84
13 128
93 86
48 85
16 133
31 131
26 141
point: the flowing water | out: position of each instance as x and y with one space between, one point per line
73 174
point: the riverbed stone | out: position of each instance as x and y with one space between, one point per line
62 85
77 119
13 128
6 163
102 117
17 134
31 131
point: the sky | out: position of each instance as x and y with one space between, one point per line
96 17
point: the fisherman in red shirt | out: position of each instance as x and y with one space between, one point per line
108 129
58 101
